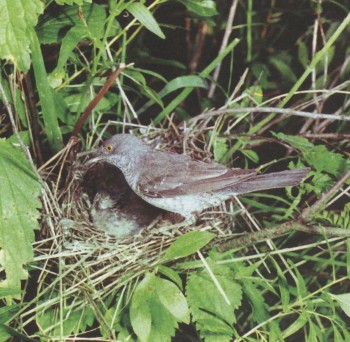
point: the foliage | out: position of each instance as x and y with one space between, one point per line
55 58
19 205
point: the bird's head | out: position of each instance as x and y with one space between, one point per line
120 149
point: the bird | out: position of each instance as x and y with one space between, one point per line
179 184
115 207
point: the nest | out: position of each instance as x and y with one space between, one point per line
89 262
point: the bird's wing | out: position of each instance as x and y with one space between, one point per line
183 176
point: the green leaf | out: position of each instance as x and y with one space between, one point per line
171 274
252 155
18 213
17 18
344 302
156 307
7 291
74 321
318 156
183 82
176 84
203 8
187 244
303 53
283 67
296 325
204 73
173 300
145 17
220 148
213 315
47 98
140 310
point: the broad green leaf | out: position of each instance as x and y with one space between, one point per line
145 17
156 308
203 8
18 213
17 18
52 29
187 244
48 103
6 291
344 301
90 28
213 315
140 310
171 274
173 300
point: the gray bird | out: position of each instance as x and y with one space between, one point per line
179 184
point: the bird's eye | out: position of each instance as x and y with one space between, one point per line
108 148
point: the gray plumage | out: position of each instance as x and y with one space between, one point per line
179 184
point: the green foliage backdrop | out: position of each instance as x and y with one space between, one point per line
259 83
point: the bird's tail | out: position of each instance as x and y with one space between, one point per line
271 181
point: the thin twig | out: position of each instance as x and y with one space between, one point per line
284 111
224 43
310 211
275 232
97 98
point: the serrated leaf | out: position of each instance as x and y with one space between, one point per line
17 18
74 321
18 213
145 17
213 315
344 301
323 160
203 8
187 244
220 148
318 156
